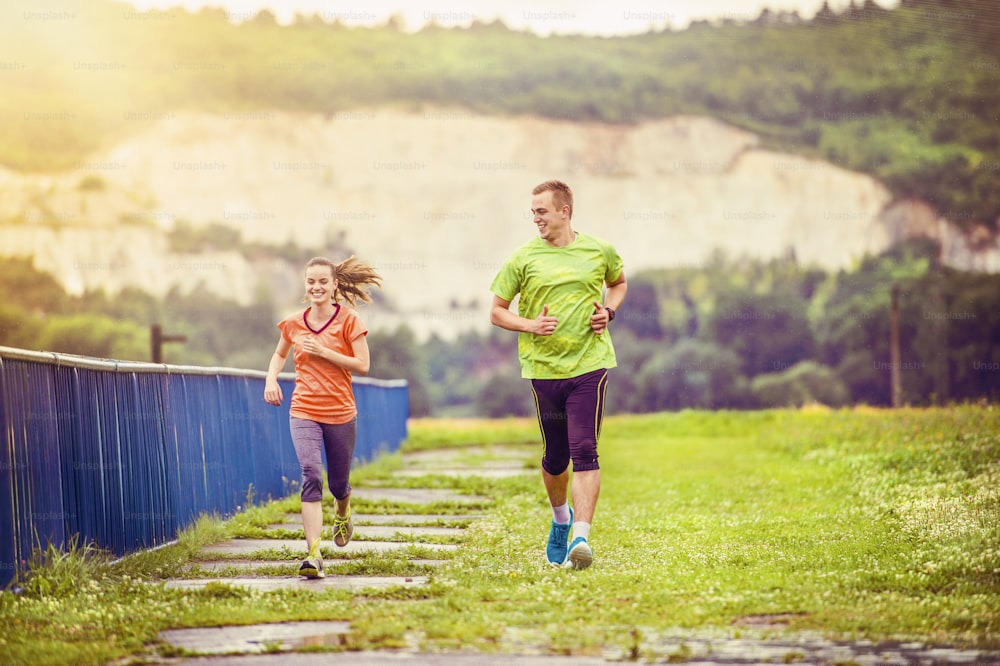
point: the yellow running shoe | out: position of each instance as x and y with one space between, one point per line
343 530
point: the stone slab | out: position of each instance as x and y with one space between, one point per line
414 496
271 583
466 455
405 657
237 547
217 565
383 531
389 658
395 518
498 471
254 638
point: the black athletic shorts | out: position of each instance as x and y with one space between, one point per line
570 412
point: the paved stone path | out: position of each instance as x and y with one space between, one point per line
251 563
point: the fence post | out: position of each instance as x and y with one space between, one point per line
894 356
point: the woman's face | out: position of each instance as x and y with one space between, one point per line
320 284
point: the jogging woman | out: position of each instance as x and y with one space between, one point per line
329 347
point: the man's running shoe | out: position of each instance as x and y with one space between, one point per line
312 566
343 530
580 554
555 550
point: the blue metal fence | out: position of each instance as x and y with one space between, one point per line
125 455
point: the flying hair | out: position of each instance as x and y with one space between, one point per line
353 278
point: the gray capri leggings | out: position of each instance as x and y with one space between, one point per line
311 439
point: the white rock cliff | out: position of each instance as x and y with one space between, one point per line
437 199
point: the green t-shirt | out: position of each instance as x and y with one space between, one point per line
567 279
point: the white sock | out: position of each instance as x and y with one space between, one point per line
560 514
581 529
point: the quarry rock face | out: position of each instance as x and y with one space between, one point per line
438 198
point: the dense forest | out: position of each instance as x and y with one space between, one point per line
736 334
910 95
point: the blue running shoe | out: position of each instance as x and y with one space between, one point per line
558 537
580 554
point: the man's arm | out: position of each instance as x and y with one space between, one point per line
613 298
500 315
615 295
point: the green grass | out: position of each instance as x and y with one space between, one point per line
856 524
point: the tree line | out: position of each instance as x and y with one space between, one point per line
748 334
733 334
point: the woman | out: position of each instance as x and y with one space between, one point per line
330 345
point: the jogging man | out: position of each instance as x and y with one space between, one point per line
565 350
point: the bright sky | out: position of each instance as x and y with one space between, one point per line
541 16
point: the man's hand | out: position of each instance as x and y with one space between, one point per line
599 320
544 324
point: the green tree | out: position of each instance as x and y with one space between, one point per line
641 314
505 395
29 288
853 328
624 394
396 355
691 374
768 331
972 321
18 328
97 336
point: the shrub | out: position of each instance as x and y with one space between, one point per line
803 383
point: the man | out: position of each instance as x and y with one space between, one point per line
565 350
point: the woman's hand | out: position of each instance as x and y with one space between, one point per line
312 346
272 393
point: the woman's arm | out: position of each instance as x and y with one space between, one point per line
272 390
357 363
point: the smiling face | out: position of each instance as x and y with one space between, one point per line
553 223
320 284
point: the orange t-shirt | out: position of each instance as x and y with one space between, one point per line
323 391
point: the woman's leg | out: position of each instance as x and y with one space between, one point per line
307 436
339 440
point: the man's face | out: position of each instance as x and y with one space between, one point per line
551 223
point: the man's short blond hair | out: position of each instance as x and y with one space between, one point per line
561 194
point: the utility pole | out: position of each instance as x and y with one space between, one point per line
894 361
156 340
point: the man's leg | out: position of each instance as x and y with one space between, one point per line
585 412
557 486
586 489
555 465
